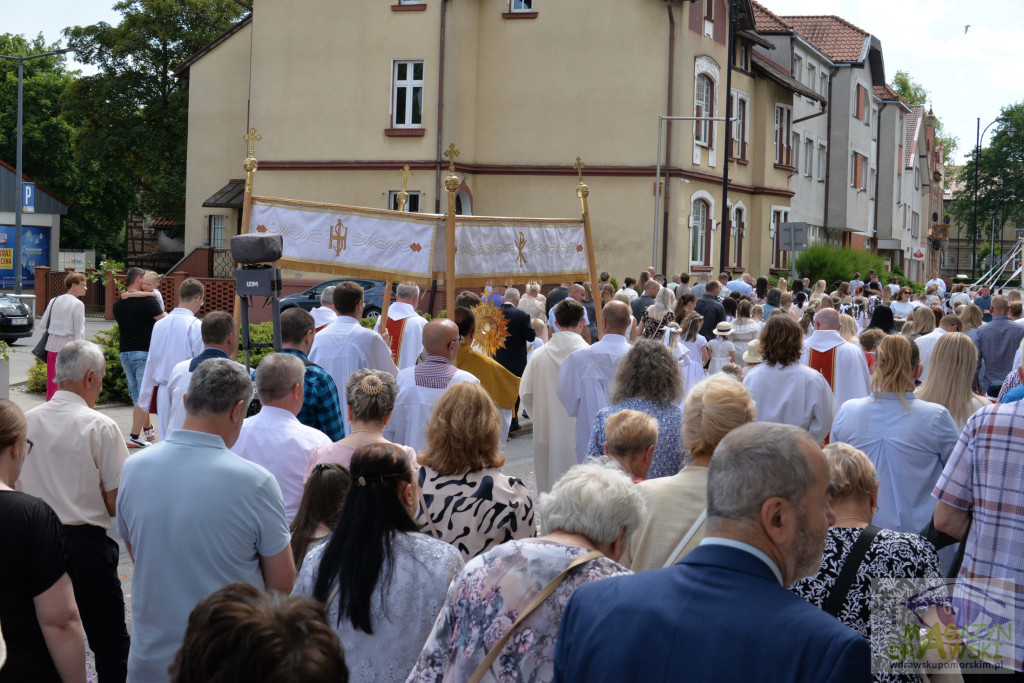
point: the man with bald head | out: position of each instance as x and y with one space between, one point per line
420 386
584 382
723 611
577 293
997 342
840 362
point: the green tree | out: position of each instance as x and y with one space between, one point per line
96 200
998 174
132 115
915 94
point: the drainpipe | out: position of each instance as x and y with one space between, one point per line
668 134
440 109
828 150
723 257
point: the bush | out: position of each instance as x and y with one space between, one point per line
258 333
832 264
115 384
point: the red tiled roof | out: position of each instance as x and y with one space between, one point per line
834 37
767 21
887 94
913 122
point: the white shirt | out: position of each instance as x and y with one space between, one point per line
925 344
584 383
412 332
630 292
936 281
177 387
414 406
322 316
67 317
852 378
275 439
345 346
553 429
794 395
175 338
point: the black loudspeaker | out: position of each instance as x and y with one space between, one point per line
248 249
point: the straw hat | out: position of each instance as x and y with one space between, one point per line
723 329
753 353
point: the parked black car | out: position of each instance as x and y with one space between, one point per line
16 320
310 299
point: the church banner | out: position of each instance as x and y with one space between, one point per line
495 249
345 240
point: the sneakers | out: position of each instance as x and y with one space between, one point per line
135 442
150 433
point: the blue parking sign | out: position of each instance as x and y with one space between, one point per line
28 198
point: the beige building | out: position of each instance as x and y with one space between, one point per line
345 93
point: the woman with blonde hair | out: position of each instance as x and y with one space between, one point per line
467 501
923 320
676 504
657 316
533 301
848 328
818 291
907 439
971 316
891 555
951 378
64 321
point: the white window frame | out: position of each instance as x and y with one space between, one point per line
808 157
740 129
217 223
858 158
410 85
794 145
520 6
823 78
699 234
703 131
874 122
783 133
779 214
798 67
822 157
698 231
812 74
413 194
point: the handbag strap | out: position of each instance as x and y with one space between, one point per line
46 314
426 513
534 604
836 598
674 555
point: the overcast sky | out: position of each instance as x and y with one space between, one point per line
969 75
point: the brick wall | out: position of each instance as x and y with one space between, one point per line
49 284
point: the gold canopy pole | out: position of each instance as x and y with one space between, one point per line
250 166
403 197
451 184
582 191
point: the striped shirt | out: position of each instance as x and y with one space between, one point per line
435 372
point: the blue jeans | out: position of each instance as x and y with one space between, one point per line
134 364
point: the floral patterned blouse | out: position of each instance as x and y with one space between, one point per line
668 452
477 510
484 601
892 555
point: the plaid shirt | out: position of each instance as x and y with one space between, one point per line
320 406
434 373
983 475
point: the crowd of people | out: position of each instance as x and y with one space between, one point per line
723 467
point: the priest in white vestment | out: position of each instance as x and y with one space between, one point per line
785 390
345 345
841 363
175 338
584 382
420 386
405 326
554 449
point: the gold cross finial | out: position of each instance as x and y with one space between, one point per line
252 137
579 166
406 174
450 154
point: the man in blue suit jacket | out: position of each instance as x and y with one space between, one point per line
723 612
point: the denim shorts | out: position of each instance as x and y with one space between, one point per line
134 364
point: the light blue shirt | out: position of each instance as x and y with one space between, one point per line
908 448
198 517
746 547
740 286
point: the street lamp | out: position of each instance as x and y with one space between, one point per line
977 164
19 179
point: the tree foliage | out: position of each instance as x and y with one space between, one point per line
915 94
998 175
132 115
